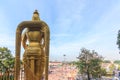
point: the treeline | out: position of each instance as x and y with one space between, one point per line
115 62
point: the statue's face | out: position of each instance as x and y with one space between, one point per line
35 17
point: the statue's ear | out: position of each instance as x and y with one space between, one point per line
41 29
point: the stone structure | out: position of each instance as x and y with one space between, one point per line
35 41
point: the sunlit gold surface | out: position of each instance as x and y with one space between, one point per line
35 41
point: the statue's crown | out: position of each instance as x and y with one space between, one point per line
36 12
36 16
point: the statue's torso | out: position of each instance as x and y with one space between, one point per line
34 41
34 38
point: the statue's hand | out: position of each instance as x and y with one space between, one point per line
42 46
25 46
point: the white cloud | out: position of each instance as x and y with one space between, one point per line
68 14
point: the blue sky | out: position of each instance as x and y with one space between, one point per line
92 24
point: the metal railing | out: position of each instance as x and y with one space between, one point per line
6 74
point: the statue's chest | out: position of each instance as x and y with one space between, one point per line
34 35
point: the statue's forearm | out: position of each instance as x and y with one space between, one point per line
24 44
24 40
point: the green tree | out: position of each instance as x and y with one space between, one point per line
89 63
117 61
106 61
118 39
6 58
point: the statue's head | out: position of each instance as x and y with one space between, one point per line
36 16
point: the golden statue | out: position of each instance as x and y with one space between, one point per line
35 41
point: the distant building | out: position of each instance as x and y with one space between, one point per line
106 66
55 63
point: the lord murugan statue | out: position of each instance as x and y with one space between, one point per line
35 41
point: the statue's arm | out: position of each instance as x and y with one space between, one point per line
44 44
24 40
43 37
